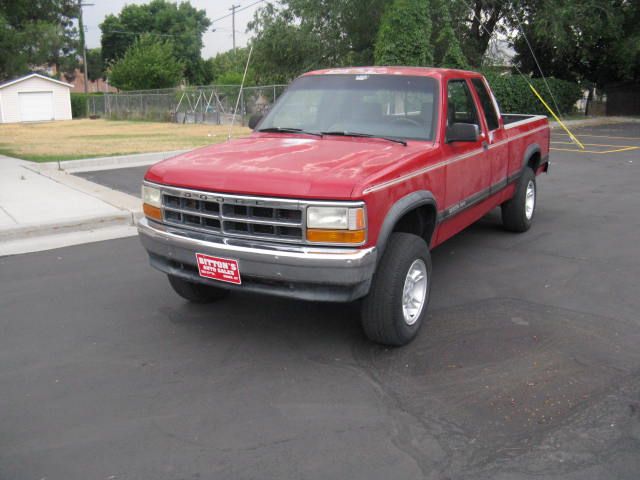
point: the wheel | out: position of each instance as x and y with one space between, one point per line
196 292
517 213
396 306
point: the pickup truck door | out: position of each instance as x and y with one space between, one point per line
498 151
468 173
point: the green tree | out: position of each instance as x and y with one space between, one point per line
37 33
302 35
476 22
181 23
147 64
447 50
227 67
592 41
404 34
283 48
95 65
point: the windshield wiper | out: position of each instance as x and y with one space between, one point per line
288 130
364 135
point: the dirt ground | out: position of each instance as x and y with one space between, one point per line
73 139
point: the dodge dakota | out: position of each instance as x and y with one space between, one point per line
342 190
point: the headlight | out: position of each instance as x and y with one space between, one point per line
336 225
151 196
336 218
328 217
151 202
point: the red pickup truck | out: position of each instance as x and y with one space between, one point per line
342 190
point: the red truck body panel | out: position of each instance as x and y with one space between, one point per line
466 179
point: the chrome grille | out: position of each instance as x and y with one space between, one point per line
234 216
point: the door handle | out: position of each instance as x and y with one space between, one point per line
485 145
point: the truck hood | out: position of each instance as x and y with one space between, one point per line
284 166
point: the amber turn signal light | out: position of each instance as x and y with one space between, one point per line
152 212
336 236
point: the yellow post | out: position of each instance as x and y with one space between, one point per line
571 135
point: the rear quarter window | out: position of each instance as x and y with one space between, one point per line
490 114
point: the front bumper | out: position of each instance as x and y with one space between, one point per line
308 273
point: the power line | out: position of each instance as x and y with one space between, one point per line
237 10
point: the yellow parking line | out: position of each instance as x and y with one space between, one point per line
625 149
599 136
596 144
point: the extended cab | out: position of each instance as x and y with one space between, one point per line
342 190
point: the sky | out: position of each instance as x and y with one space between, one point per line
214 42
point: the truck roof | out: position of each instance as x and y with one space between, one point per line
398 70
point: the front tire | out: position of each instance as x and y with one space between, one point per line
396 306
517 213
196 292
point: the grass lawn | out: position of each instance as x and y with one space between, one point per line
74 139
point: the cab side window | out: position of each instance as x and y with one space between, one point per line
460 105
490 114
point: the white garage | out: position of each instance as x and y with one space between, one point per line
34 98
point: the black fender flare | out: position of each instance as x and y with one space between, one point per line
530 152
398 210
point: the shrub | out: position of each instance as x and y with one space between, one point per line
78 105
515 96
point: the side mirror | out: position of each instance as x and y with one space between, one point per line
463 132
254 120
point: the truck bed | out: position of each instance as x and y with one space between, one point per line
511 118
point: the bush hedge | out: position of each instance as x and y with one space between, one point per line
515 96
79 105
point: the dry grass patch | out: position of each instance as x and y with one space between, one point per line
70 140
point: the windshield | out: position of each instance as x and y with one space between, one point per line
394 106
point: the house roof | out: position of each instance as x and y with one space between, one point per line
26 77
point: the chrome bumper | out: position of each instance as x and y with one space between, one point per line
322 274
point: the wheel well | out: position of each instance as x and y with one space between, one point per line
534 161
420 221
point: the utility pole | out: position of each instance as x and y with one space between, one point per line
84 45
233 23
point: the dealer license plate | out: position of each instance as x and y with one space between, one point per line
216 268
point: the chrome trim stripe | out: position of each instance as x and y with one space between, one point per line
519 123
517 137
408 176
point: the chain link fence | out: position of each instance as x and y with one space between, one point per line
213 104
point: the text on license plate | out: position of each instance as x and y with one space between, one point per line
216 268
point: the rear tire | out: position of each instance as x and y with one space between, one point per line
396 306
518 213
196 292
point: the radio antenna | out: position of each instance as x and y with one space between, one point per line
235 110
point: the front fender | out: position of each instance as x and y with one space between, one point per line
398 210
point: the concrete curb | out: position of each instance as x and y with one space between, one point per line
130 211
75 225
107 163
119 200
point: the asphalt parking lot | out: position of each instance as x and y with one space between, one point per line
529 365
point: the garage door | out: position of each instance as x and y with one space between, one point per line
35 106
